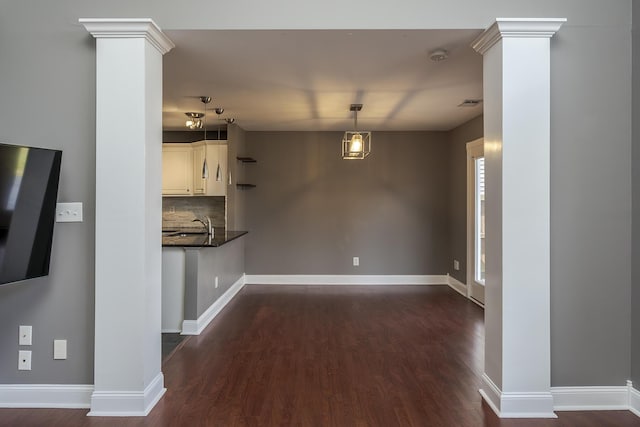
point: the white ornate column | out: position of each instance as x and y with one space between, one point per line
128 379
517 378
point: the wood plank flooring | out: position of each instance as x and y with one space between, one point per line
329 356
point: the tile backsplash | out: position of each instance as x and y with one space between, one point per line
179 212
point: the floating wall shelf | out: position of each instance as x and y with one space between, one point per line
246 159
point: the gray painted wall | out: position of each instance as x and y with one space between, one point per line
635 301
311 211
202 267
458 139
590 206
47 64
47 68
235 196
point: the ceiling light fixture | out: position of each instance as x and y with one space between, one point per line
356 144
193 121
438 55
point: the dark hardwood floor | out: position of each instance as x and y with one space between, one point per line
328 356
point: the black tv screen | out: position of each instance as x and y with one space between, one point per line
28 194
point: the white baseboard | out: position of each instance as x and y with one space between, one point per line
634 399
590 398
535 405
45 395
344 279
491 394
171 331
457 285
516 405
527 405
127 403
195 327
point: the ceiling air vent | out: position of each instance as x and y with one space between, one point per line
470 102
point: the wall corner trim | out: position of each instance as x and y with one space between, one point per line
69 396
344 279
195 327
127 403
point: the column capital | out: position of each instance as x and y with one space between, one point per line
516 28
128 28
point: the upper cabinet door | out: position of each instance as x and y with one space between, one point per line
201 167
177 166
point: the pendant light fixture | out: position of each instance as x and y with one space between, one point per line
356 144
194 120
205 169
219 112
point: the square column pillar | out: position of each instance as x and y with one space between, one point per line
517 378
127 376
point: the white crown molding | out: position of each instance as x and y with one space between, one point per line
129 28
70 396
195 327
516 27
345 279
127 403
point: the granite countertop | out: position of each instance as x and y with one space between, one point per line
198 238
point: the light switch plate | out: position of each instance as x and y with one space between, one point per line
25 335
69 212
59 349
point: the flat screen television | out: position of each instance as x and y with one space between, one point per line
28 194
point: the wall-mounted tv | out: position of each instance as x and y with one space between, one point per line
28 194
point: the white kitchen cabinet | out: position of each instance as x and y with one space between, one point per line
182 168
177 170
199 157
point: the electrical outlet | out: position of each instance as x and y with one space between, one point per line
24 360
356 261
59 349
456 264
25 335
172 209
216 283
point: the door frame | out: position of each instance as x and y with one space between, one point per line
475 149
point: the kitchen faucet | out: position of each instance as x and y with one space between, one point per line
207 224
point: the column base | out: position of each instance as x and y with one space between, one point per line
516 405
127 403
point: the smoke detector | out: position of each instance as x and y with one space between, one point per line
438 55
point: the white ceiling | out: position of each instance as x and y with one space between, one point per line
307 79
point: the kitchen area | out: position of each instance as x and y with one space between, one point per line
203 186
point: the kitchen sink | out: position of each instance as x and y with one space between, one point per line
179 233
